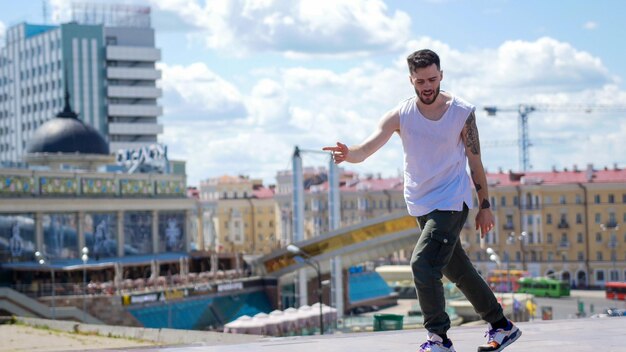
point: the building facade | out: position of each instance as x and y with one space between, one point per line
114 215
239 215
109 71
566 223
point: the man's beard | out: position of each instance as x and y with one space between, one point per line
434 96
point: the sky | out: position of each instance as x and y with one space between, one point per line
245 81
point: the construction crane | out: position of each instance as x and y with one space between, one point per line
523 110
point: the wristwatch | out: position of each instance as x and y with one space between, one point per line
485 204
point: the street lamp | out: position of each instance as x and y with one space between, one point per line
303 257
522 239
42 259
85 258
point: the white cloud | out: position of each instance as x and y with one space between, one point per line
590 25
295 28
195 92
314 107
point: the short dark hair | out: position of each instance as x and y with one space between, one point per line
422 58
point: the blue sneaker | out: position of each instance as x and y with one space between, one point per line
434 343
498 339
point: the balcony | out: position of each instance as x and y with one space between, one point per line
612 244
135 128
135 110
134 92
508 227
563 245
115 146
132 53
133 73
563 225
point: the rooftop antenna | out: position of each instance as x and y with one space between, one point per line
45 11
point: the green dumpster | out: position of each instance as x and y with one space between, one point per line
384 322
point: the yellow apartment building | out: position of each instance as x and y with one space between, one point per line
242 215
568 224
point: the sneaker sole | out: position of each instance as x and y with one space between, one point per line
512 339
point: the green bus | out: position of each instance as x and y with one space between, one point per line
543 287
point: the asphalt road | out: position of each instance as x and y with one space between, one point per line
566 307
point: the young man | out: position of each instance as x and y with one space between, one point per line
439 137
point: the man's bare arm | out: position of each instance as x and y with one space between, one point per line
388 124
472 150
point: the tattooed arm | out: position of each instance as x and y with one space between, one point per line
484 218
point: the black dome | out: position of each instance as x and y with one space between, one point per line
67 134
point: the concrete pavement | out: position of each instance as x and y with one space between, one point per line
571 335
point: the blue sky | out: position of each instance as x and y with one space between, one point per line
245 81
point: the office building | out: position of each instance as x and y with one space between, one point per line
107 63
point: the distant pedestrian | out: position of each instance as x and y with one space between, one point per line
439 137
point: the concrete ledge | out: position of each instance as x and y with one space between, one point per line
158 336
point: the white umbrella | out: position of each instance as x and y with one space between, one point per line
277 323
256 326
291 318
308 317
237 326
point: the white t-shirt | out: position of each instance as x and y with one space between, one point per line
435 175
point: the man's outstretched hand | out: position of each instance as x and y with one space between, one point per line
484 221
339 153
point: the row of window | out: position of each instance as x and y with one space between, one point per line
41 87
40 70
550 256
597 199
31 53
245 224
42 106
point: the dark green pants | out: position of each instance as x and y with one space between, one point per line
438 252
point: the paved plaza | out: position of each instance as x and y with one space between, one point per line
571 335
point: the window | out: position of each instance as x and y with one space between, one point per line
550 256
579 237
599 275
548 218
562 199
516 200
549 239
596 199
579 218
581 256
564 238
598 218
611 198
503 201
599 255
598 237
